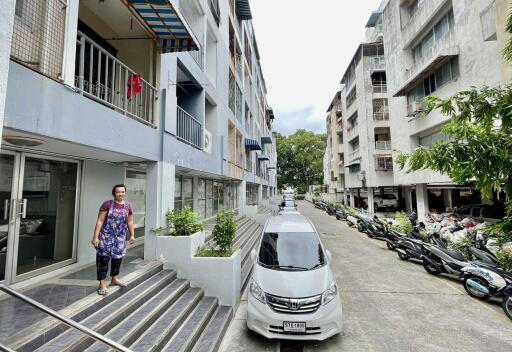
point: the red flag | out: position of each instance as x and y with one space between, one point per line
134 86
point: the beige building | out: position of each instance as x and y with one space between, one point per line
334 162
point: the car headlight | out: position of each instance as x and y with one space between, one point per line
257 292
330 293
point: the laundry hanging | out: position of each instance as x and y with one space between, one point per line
134 86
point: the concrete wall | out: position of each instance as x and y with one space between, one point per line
97 181
6 23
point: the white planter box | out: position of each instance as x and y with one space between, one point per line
251 210
177 251
219 277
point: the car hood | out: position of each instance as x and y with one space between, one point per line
294 284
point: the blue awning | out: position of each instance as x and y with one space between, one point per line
167 24
262 157
243 9
266 140
252 144
373 18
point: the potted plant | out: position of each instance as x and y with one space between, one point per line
178 242
218 268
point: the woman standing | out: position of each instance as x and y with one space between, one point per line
115 219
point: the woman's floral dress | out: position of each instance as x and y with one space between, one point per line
113 232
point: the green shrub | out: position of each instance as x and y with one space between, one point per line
352 211
505 259
424 235
225 230
461 247
403 224
184 222
207 251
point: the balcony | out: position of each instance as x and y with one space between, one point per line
377 63
442 51
381 116
354 155
189 129
380 87
235 171
420 20
352 132
198 57
416 107
102 77
383 145
339 128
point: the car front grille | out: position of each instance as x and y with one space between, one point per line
280 330
294 305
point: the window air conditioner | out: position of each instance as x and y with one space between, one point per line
208 141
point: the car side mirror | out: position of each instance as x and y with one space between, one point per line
328 255
253 255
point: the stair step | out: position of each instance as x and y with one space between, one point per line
212 336
133 326
28 340
240 241
239 232
246 250
110 315
189 332
168 323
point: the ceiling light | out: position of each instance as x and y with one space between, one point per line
21 141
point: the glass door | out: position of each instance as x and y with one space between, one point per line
48 194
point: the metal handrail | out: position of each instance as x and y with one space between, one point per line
189 128
5 348
91 333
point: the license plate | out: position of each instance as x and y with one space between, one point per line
294 326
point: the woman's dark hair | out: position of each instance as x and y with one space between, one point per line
118 186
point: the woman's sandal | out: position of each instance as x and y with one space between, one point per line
102 291
119 283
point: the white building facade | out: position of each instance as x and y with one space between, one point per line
105 92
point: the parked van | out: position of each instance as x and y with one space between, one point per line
292 292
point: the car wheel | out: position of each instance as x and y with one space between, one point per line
474 292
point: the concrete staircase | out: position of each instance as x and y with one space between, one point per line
156 312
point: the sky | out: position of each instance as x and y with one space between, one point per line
305 46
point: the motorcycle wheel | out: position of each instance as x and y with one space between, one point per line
507 306
403 256
390 246
370 235
473 292
360 228
429 268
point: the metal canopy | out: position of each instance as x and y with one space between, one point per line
373 18
243 9
266 140
252 144
262 157
167 24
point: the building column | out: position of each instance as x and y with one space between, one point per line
352 202
240 197
195 193
447 196
371 208
422 201
159 199
408 198
6 24
260 194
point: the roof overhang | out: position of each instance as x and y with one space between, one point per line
443 56
373 18
266 140
167 24
262 157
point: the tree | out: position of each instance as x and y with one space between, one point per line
299 159
479 146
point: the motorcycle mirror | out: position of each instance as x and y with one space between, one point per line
328 254
253 255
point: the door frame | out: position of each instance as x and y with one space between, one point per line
12 250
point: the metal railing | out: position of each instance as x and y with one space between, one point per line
102 77
197 55
381 116
91 333
354 154
380 87
378 62
189 129
385 145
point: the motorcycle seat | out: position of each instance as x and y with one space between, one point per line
454 254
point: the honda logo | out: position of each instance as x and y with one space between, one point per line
293 305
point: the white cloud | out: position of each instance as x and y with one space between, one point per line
305 47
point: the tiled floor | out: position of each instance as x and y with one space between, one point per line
15 315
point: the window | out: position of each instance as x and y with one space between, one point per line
351 97
352 121
431 139
384 163
441 76
232 92
210 198
436 33
354 168
414 6
488 23
136 194
380 109
183 192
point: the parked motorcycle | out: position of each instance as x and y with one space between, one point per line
484 281
507 301
330 209
341 214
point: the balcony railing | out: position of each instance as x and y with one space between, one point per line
380 87
354 154
189 129
380 116
354 131
416 107
102 77
383 145
378 62
198 57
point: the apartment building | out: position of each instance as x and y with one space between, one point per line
437 47
334 160
165 96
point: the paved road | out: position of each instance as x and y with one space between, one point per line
390 305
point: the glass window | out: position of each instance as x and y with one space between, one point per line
441 28
427 42
443 75
136 194
291 251
188 188
177 193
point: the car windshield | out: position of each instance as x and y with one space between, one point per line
288 203
291 251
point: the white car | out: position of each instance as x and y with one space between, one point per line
292 291
385 201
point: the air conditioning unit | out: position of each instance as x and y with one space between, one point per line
208 141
